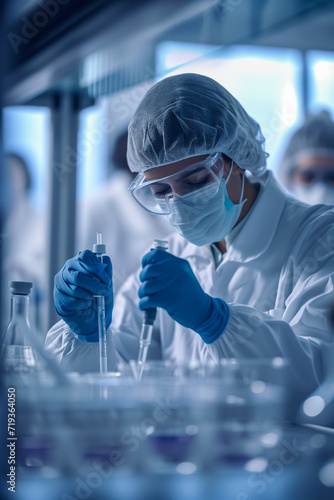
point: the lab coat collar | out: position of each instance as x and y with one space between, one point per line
260 228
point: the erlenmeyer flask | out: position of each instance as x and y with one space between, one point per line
17 353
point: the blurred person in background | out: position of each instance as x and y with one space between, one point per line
24 244
307 168
126 231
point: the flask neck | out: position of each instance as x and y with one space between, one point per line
19 307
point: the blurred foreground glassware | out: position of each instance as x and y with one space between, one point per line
215 413
75 430
17 354
181 433
23 359
318 407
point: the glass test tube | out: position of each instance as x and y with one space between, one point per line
99 249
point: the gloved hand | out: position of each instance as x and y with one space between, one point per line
75 285
169 282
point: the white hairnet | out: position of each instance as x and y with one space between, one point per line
315 137
188 115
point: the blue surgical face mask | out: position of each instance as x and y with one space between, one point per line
208 222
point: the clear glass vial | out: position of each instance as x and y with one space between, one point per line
17 354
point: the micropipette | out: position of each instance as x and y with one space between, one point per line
148 321
99 249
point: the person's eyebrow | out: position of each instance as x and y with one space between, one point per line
185 175
158 183
191 172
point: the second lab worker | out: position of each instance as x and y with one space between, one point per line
250 270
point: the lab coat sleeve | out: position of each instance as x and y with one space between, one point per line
299 326
254 334
77 356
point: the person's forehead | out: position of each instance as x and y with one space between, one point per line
172 168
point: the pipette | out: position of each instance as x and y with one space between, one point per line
99 249
147 325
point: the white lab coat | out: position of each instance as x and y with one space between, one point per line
277 278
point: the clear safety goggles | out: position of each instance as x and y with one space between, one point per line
156 195
313 174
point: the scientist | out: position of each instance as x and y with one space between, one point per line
250 273
307 168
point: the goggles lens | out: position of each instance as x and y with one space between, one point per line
313 174
154 195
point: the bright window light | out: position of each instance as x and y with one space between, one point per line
321 71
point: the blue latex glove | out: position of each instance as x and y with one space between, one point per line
169 282
80 279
